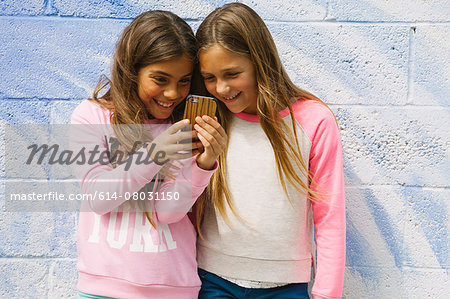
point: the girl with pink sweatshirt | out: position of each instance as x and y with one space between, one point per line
281 174
134 238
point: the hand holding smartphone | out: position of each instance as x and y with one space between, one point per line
212 138
198 106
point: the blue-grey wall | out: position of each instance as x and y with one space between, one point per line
382 66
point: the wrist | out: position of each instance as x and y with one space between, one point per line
205 165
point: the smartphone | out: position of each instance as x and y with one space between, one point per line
199 106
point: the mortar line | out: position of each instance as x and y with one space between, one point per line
312 21
327 11
411 65
409 106
43 99
48 7
433 188
391 267
74 99
50 277
27 258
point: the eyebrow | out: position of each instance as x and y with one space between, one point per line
233 68
169 75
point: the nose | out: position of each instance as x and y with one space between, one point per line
222 87
171 93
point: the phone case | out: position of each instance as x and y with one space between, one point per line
198 106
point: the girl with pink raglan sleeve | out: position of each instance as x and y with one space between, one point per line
280 176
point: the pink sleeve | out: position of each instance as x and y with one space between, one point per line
326 169
89 126
189 184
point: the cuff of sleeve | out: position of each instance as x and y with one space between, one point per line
199 177
317 296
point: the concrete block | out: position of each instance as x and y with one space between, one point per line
375 224
431 65
347 64
31 111
38 234
2 154
23 278
390 11
394 145
16 117
2 198
290 10
425 283
427 227
61 111
19 142
63 279
192 9
372 282
55 58
390 226
22 8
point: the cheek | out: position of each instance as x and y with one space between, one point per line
148 89
252 92
184 91
249 83
211 87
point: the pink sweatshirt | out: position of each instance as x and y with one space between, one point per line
119 253
274 242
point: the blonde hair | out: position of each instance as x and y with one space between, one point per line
151 37
239 29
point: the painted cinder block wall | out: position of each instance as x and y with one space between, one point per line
382 66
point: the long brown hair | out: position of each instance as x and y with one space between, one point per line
151 37
239 29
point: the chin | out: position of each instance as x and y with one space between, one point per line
163 116
160 115
235 109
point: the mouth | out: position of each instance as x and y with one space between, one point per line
230 99
164 104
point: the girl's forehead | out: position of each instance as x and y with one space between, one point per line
220 53
172 65
219 60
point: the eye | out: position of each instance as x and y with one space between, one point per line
160 79
185 81
208 78
232 75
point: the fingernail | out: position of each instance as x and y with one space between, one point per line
186 121
198 119
206 117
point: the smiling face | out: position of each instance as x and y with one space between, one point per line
165 84
230 77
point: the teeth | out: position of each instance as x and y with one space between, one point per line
233 97
167 105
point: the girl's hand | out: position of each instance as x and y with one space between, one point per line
167 145
213 138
